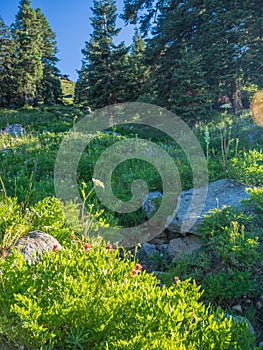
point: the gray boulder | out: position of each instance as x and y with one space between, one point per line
148 205
220 193
34 243
16 130
183 246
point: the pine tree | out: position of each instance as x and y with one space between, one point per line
7 58
138 71
81 87
29 66
189 96
102 76
226 35
49 87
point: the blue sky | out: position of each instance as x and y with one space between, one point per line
70 21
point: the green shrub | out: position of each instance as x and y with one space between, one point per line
214 222
13 224
48 215
227 286
235 247
256 196
247 168
87 297
227 264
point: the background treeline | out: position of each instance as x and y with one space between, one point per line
28 72
195 57
191 57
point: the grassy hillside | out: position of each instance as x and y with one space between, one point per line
68 90
95 296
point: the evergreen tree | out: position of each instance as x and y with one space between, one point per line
29 66
138 71
189 97
49 86
81 87
102 76
226 35
7 58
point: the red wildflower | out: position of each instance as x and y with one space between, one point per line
178 162
55 247
138 267
72 236
177 279
87 246
134 272
109 246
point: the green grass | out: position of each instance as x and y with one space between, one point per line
27 183
68 90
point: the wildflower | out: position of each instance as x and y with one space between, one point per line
179 162
87 246
177 280
138 267
55 247
98 183
72 236
109 248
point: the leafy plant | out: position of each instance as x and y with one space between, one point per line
256 196
214 223
226 286
13 223
248 168
110 300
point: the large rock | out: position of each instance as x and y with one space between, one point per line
186 218
16 130
34 243
148 205
183 246
220 193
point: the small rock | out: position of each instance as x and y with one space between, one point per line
6 150
149 249
111 133
16 130
248 301
186 245
241 320
237 308
33 244
259 305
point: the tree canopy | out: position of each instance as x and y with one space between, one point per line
28 60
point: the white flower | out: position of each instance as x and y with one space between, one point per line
98 183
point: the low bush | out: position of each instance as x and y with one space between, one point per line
247 168
87 297
227 264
